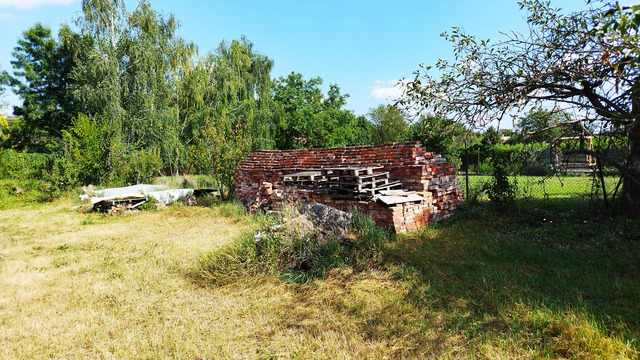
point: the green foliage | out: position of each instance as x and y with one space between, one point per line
231 88
305 118
542 125
23 165
500 190
389 124
127 76
41 80
87 150
18 192
440 135
220 148
141 167
4 127
295 255
491 137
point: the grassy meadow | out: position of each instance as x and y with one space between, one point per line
479 285
539 187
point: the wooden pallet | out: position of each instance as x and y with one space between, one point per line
353 172
302 176
118 204
353 181
310 179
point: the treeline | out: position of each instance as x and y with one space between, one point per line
123 98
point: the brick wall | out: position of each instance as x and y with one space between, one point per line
408 162
399 218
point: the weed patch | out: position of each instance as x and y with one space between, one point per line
296 255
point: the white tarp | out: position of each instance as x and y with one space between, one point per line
154 191
171 195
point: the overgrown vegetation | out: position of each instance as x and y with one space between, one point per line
294 254
481 284
507 284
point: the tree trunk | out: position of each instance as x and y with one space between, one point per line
630 195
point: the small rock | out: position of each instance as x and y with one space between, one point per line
329 220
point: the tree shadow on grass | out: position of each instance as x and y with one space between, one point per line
547 280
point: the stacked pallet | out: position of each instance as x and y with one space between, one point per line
349 181
359 180
312 179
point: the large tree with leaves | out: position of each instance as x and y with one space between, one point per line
306 118
41 79
129 76
228 94
587 62
390 124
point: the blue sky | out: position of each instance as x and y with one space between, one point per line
363 46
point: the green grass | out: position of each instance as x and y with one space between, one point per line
539 187
537 282
517 285
561 287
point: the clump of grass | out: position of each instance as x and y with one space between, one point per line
233 209
295 255
208 201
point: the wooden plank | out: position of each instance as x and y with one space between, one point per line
399 199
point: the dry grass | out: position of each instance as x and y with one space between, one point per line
90 286
79 285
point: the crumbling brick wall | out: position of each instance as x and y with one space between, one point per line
408 162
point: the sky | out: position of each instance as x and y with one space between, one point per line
363 46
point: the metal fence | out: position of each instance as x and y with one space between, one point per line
544 175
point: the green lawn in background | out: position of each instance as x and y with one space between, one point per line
540 187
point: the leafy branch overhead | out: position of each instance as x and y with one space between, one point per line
585 63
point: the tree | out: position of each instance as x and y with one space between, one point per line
129 74
305 118
491 137
440 135
542 125
231 91
389 124
40 78
587 62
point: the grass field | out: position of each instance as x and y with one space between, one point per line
76 285
557 187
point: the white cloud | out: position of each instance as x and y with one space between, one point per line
6 16
386 90
30 4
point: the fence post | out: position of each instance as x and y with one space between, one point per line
466 175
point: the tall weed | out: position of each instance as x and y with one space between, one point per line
295 254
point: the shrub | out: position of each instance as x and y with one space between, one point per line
499 189
23 165
295 254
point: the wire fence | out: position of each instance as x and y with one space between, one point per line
541 175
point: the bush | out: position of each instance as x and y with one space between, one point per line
23 165
142 166
499 189
295 255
